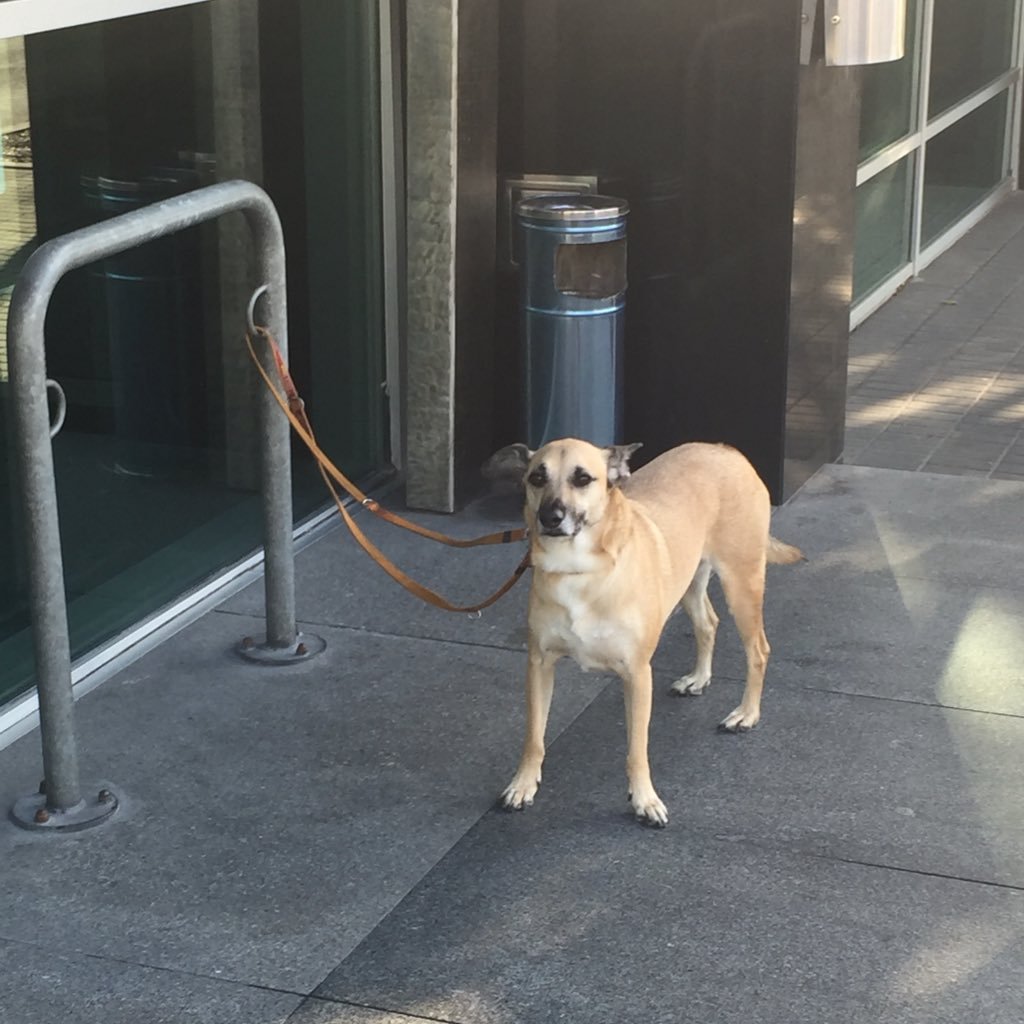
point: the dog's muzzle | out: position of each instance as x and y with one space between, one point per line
556 520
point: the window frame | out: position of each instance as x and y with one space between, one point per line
915 144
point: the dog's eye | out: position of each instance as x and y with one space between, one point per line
581 478
538 478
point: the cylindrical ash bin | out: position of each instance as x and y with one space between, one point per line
573 285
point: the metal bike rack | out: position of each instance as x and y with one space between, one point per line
60 805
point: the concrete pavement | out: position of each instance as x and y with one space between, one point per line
319 844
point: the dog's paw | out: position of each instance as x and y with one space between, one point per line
739 720
648 808
692 685
520 792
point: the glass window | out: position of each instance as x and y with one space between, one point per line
962 165
157 465
883 219
156 473
889 95
971 45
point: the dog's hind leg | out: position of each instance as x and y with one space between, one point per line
745 593
540 684
705 624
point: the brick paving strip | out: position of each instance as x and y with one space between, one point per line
936 376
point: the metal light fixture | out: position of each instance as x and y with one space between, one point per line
856 31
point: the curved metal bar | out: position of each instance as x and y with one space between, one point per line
33 454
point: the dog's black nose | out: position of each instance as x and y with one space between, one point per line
551 514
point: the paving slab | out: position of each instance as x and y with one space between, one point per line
556 917
322 1011
918 641
891 524
903 639
912 787
41 986
911 591
850 859
271 816
337 583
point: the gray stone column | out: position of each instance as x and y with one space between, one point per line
432 154
452 131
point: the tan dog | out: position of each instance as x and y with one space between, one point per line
613 555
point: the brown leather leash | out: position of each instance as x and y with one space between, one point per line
295 409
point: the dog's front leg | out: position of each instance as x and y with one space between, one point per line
540 683
637 687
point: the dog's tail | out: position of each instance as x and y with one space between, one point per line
783 554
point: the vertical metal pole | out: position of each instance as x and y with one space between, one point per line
279 563
34 463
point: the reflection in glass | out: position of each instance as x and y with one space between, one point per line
962 166
889 95
883 219
157 466
156 475
971 45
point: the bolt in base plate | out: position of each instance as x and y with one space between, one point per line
306 646
32 813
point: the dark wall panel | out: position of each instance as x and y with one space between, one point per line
687 110
475 233
822 280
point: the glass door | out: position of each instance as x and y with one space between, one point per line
157 467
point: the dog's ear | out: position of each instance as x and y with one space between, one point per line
507 464
618 456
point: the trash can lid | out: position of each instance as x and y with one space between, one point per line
572 208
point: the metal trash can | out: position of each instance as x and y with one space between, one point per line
573 281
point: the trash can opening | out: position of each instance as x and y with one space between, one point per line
596 270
